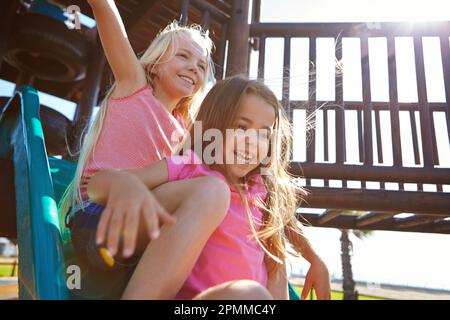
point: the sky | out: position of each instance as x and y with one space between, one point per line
402 258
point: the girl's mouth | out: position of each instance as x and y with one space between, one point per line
188 80
243 157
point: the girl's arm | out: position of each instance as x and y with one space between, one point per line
318 276
152 176
128 72
127 198
277 283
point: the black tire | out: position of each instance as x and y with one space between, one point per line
44 47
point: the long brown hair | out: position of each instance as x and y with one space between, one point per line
219 110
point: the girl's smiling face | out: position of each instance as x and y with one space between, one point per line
182 70
249 142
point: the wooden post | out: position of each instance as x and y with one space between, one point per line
238 40
89 98
13 271
8 9
184 12
24 79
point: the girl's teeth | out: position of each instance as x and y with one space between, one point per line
187 80
242 157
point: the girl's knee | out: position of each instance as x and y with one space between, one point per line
236 290
252 290
214 195
219 190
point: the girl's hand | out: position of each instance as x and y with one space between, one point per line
129 201
317 278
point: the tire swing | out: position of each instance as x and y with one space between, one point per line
45 48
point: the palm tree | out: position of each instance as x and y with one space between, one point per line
348 284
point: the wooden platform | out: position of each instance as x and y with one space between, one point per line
9 289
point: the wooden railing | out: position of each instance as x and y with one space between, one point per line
381 204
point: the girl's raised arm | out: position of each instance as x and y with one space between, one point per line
128 72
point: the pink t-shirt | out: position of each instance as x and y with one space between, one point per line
231 253
137 130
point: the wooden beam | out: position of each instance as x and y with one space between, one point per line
238 42
430 203
349 222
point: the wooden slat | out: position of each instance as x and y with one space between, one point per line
416 220
425 127
441 227
368 151
372 217
325 135
220 72
445 54
310 111
378 137
205 20
285 101
415 139
184 12
433 139
256 10
360 135
262 56
327 216
393 101
340 117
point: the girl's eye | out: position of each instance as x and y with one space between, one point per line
183 55
202 67
241 126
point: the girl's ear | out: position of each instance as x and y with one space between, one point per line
152 70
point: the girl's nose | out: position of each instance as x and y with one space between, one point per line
193 68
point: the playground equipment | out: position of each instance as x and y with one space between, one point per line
31 182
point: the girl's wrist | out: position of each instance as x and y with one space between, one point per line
313 258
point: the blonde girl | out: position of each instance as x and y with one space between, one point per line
141 120
244 257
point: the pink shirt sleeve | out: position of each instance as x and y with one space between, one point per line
183 167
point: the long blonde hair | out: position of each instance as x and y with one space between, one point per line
167 39
219 110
